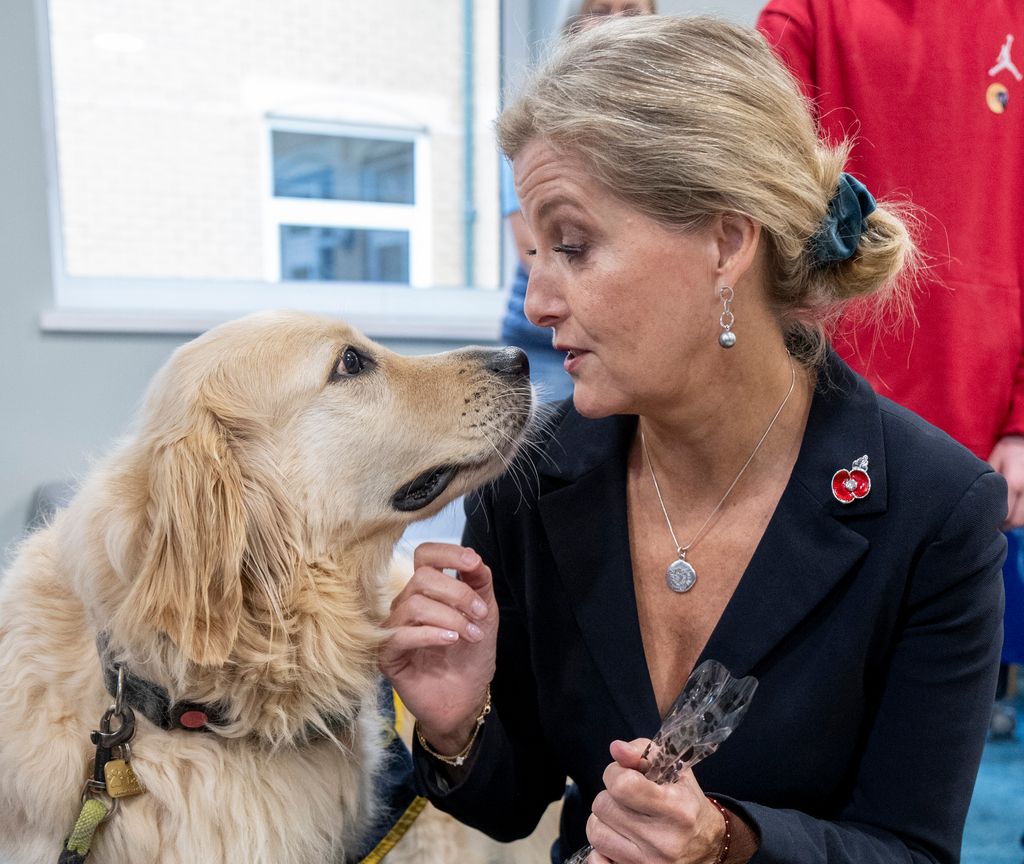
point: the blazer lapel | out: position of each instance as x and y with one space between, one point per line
590 545
811 543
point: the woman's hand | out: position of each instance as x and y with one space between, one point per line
1008 459
635 820
440 653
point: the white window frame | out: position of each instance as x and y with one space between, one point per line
330 213
140 305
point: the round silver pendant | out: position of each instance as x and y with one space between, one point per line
680 576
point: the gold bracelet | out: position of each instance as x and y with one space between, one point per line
459 758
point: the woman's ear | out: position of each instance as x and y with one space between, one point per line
189 583
737 238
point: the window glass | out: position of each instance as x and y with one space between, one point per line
342 168
344 254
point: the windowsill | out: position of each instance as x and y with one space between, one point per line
456 315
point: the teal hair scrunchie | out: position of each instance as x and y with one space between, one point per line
844 223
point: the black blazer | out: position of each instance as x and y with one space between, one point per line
874 629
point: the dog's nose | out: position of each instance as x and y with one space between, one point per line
509 362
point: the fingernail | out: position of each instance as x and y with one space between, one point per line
478 609
474 632
470 558
449 636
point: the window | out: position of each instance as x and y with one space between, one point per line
343 168
348 205
329 156
344 254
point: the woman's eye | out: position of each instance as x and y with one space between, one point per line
570 252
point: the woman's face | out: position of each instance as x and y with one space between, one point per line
632 303
617 7
598 10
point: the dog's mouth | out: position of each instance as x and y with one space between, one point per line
430 485
425 489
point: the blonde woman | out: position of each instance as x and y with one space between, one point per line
722 486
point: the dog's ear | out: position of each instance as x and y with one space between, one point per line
189 584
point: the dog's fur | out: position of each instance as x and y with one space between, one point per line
234 549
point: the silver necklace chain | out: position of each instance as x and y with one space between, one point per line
691 575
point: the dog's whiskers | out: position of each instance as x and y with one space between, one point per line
516 467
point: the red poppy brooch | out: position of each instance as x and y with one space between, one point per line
849 485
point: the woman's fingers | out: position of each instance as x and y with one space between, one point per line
422 610
404 639
434 585
623 803
610 844
449 556
630 754
442 556
633 790
433 611
663 830
617 815
442 688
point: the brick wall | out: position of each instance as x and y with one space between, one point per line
163 149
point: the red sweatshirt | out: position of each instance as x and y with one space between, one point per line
933 93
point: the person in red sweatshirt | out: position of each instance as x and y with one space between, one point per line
933 92
934 95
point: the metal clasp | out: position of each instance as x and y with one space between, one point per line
94 789
126 731
104 737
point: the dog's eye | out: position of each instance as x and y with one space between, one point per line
350 363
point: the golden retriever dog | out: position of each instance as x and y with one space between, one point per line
229 560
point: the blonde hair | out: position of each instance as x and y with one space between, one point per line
686 118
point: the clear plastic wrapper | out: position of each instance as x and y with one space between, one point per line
705 713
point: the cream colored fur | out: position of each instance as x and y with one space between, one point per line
235 548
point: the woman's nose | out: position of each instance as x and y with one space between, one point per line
545 305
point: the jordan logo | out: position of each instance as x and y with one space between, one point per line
1003 61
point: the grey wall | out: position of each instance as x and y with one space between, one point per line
64 397
740 11
61 396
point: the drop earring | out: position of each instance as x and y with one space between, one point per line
726 338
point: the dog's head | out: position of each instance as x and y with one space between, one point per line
283 441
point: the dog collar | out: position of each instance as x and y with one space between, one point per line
155 704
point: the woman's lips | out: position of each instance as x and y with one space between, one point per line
573 358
